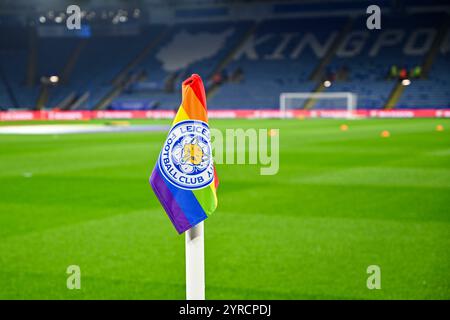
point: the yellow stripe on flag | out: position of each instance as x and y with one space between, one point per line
181 116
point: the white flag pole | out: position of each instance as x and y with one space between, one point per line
195 263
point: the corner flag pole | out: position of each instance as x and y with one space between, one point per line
195 263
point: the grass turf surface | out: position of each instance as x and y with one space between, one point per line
341 201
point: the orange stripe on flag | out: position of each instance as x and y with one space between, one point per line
180 116
193 107
196 84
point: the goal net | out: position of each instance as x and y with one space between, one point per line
344 101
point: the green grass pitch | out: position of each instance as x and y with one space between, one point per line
342 200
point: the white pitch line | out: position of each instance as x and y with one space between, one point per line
77 128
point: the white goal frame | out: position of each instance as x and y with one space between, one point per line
350 97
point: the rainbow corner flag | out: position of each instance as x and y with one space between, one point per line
184 178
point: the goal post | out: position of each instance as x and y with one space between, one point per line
290 100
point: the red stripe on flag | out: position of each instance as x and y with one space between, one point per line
196 84
216 179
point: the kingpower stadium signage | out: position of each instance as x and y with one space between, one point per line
222 114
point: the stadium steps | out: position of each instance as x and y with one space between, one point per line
43 97
67 102
32 59
117 90
44 93
10 96
434 49
310 102
123 79
429 58
229 57
80 102
317 73
71 62
394 96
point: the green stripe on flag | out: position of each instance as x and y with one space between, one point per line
205 197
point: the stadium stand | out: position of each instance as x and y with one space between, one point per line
245 63
269 72
432 92
13 67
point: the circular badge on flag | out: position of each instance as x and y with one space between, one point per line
186 159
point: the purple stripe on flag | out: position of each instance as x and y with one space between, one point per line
167 200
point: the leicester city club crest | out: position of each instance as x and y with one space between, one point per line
186 159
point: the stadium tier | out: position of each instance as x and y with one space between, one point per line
247 63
